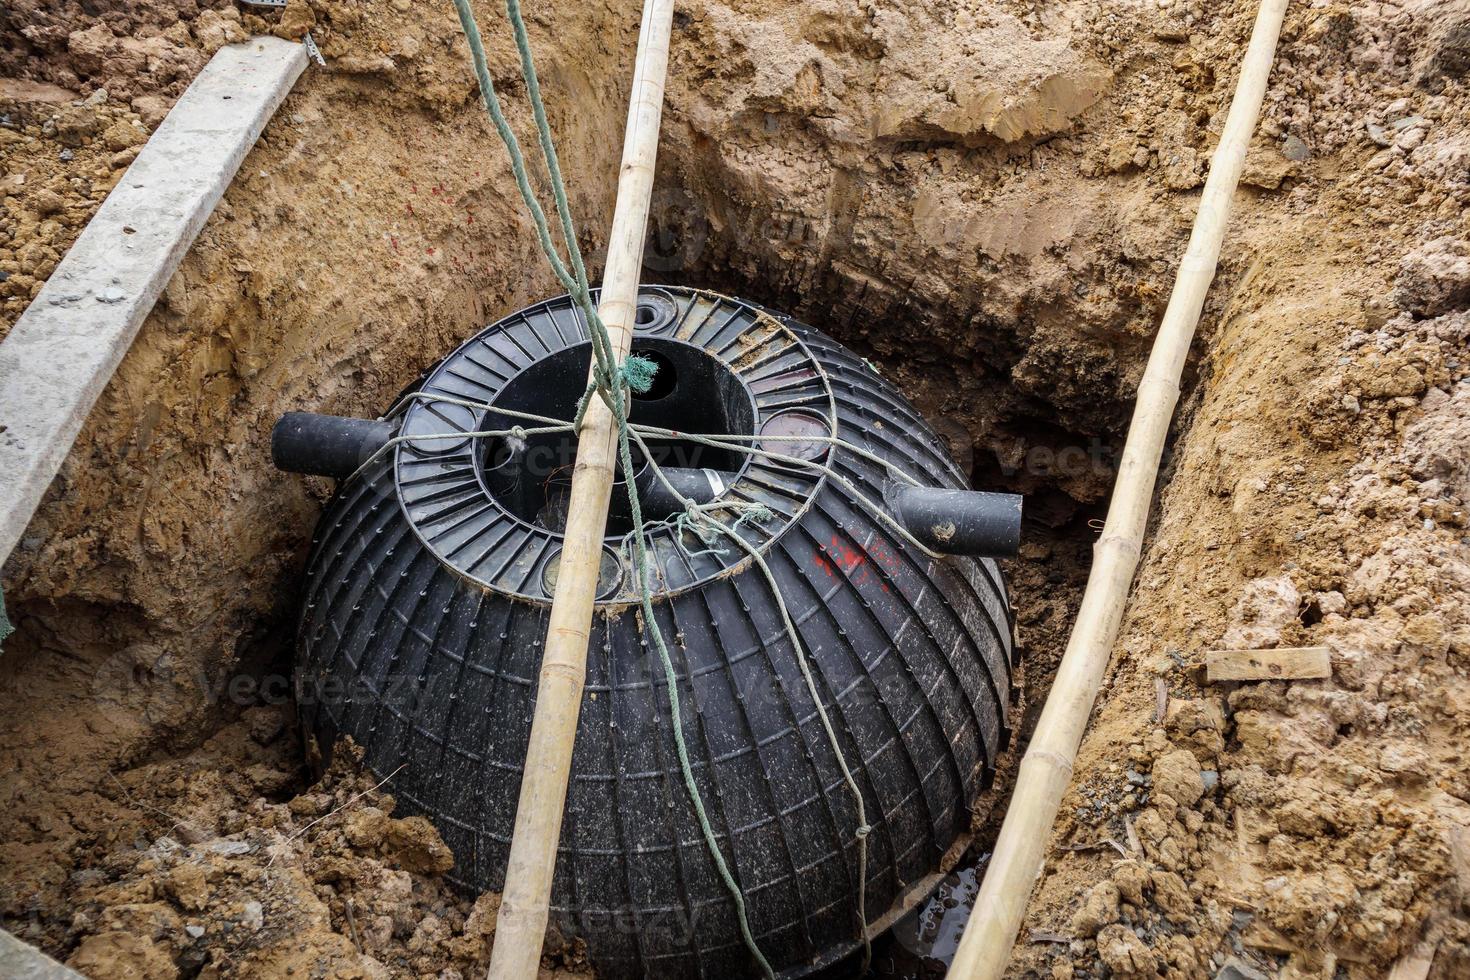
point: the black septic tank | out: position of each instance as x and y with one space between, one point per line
429 585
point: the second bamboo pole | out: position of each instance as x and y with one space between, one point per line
1046 770
524 905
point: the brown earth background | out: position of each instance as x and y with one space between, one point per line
987 198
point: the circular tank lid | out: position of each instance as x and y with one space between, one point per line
492 507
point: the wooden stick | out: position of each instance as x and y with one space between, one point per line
1047 768
521 926
1281 664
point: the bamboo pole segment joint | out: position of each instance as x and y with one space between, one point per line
1129 548
1054 760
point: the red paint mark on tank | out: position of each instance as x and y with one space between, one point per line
853 561
846 558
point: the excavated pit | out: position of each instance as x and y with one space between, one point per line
173 711
987 201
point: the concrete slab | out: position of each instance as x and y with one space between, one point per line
61 353
21 962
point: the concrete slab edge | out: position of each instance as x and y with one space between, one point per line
59 356
19 961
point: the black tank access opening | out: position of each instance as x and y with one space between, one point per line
692 391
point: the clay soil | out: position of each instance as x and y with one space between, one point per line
987 198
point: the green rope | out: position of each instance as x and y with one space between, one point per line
638 373
863 828
609 378
696 519
761 513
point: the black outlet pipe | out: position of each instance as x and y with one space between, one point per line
326 445
960 522
952 522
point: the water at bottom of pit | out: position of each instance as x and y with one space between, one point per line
922 944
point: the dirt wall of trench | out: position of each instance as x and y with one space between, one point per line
988 200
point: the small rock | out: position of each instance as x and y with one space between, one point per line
1381 159
1178 775
1132 879
296 20
122 135
1378 134
1236 968
1434 278
252 916
187 886
151 109
97 98
1098 910
1171 895
1408 762
1409 122
366 827
229 848
1409 139
112 294
1295 149
483 917
214 29
1124 953
47 202
66 156
194 931
418 847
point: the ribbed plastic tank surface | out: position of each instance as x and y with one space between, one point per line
426 604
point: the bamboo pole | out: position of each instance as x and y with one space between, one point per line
521 927
1047 767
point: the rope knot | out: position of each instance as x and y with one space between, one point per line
863 831
518 433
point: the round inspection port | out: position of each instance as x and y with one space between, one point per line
609 574
655 313
796 432
432 432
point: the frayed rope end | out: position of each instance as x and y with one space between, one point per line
638 372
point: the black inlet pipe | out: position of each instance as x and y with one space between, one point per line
326 445
700 486
960 522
